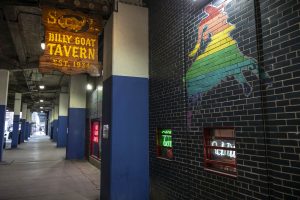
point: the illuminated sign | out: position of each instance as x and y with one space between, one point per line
166 138
95 132
71 42
164 143
222 152
219 150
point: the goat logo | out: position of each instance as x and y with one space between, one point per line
216 55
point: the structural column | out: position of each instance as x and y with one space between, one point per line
23 121
50 124
28 124
55 123
4 79
124 162
63 119
76 118
17 109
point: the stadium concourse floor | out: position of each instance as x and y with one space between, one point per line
37 170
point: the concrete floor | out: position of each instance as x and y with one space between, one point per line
37 170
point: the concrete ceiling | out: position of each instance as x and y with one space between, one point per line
21 33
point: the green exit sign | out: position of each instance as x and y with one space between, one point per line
165 137
166 131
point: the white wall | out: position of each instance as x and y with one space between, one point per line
56 112
130 44
78 91
50 116
17 105
4 80
28 116
24 110
63 104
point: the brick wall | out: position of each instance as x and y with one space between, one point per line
260 100
281 49
167 98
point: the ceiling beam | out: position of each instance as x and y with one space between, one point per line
15 33
20 3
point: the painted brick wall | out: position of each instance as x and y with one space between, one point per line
261 101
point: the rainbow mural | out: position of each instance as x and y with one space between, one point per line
216 54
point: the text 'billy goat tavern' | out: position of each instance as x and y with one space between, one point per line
71 42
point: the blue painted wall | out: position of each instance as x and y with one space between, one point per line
51 130
62 131
2 126
106 144
29 129
26 130
15 134
128 145
23 130
76 135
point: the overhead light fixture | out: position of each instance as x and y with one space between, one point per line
41 100
41 107
100 88
89 86
42 87
43 45
7 110
42 111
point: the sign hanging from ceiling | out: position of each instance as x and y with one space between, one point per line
71 42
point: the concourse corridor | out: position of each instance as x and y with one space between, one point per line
38 170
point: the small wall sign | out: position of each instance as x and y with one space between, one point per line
105 131
164 143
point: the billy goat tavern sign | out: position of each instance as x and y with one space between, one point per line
71 42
